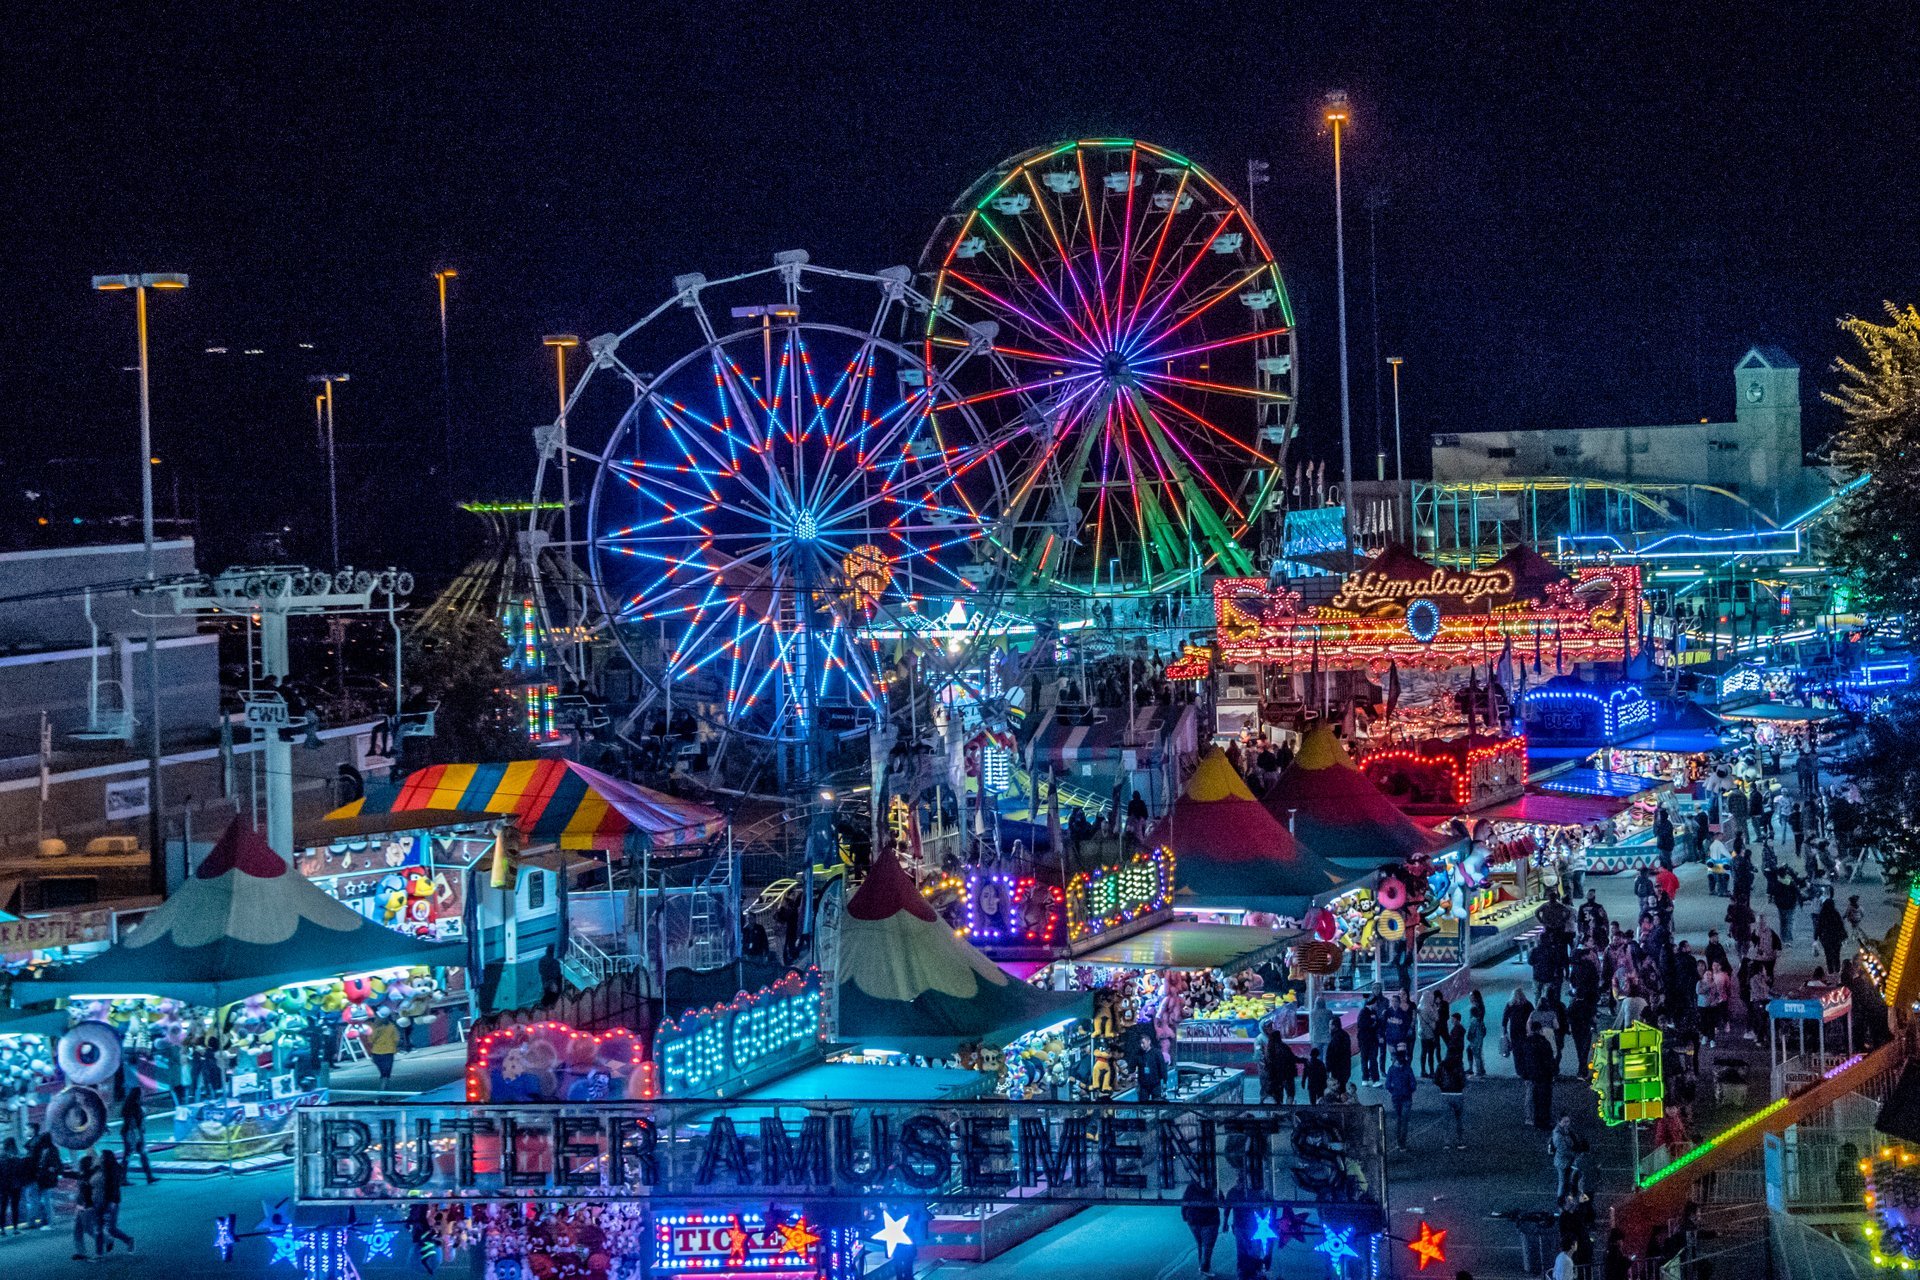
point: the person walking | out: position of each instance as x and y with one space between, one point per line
1564 1145
1244 1216
45 1169
1663 835
1396 1027
1534 1053
14 1177
1200 1210
133 1133
1430 1024
83 1208
1339 1057
383 1041
1450 1078
1316 1077
1401 1083
1476 1062
1367 1032
1281 1068
1783 890
1513 1026
108 1180
1830 931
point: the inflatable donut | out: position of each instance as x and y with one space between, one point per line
89 1053
77 1119
1392 894
1393 926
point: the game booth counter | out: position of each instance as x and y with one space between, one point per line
1680 748
244 949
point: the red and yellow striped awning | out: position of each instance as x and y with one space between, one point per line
553 801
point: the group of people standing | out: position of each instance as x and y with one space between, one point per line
30 1178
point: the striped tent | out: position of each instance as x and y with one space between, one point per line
553 801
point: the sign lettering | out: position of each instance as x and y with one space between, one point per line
840 1152
723 1049
1375 592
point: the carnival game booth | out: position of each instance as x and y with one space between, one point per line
571 828
1569 719
243 926
1776 724
407 871
1444 776
1680 748
1330 805
1624 841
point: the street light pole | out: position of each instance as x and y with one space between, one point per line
446 377
139 284
333 475
1399 466
1336 114
561 344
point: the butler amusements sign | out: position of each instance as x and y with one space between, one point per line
837 1151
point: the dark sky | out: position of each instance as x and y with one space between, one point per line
1593 209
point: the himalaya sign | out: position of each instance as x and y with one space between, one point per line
839 1151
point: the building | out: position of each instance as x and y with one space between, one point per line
74 796
1757 457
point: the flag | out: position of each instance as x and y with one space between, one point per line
1536 650
1505 669
1473 697
1393 687
1558 651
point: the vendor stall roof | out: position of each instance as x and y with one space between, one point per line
1187 944
553 800
1778 711
907 982
1677 741
1596 782
1555 811
1230 852
330 829
243 923
1337 810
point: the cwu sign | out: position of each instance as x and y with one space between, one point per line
850 1152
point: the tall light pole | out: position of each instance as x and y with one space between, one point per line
1399 466
139 284
326 381
1336 113
440 278
561 343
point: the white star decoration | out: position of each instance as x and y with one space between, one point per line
893 1233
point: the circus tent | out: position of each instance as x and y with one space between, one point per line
243 923
1338 811
1230 852
908 983
554 801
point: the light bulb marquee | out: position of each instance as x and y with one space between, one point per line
1423 616
722 1049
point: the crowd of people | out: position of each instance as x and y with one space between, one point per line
32 1176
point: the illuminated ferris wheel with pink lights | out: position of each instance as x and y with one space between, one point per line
1140 381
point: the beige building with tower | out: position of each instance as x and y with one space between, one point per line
1758 456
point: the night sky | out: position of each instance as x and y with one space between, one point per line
1589 215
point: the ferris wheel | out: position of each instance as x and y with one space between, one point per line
773 517
1139 388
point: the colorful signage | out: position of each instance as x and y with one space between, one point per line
48 932
1105 898
721 1050
1401 609
840 1153
709 1243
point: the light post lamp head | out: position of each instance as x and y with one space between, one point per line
321 379
561 340
1335 109
1395 361
445 274
145 280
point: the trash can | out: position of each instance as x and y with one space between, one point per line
1539 1240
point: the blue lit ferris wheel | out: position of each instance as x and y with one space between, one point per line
779 504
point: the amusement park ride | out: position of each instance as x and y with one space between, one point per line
830 511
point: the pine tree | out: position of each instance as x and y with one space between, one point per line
1877 526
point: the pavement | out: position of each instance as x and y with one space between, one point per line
1506 1168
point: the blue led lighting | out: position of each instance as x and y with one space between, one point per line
1625 712
1423 620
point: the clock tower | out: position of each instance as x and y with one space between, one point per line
1766 390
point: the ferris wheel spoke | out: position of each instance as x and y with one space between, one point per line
1011 309
1022 389
1240 339
1069 413
643 478
1013 353
682 426
1092 225
1159 246
1173 290
1250 393
1201 420
1195 310
1094 340
1059 246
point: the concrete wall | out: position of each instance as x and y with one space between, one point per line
61 622
56 683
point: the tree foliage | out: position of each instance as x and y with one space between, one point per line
1877 534
1888 773
460 664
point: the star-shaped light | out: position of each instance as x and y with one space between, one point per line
737 1250
287 1246
223 1237
1431 1246
1337 1245
797 1238
379 1240
1291 1225
893 1232
1263 1228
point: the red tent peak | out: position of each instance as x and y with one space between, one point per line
243 849
888 891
